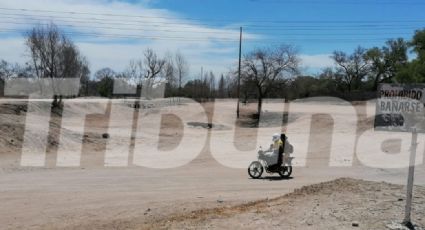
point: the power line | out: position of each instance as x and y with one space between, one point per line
345 2
336 29
125 29
117 22
203 20
286 36
305 28
132 36
227 31
185 39
96 21
316 26
208 32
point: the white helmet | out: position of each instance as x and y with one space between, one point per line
276 137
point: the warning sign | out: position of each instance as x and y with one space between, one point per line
400 108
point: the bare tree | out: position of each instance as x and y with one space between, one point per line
263 67
153 64
212 84
85 80
232 85
182 67
135 72
153 67
53 55
9 70
221 87
104 73
170 70
354 67
6 70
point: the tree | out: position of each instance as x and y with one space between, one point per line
6 70
85 81
264 66
105 78
104 73
331 81
9 70
169 75
304 86
418 44
414 72
153 64
385 62
354 67
378 65
231 86
169 70
395 52
53 55
212 84
153 67
145 71
221 87
135 72
205 86
182 68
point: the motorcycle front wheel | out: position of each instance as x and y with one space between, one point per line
255 170
286 172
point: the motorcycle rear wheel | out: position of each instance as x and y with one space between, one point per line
255 170
286 172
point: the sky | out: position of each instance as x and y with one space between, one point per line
111 33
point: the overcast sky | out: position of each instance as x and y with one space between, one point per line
111 33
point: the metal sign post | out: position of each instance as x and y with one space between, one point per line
401 108
407 216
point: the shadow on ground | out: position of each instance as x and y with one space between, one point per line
273 178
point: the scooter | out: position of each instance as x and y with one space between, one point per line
256 168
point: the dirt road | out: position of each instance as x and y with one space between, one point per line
92 196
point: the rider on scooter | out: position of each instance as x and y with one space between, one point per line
276 159
275 153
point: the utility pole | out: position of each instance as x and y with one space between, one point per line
239 72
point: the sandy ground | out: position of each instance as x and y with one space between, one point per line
340 204
96 197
